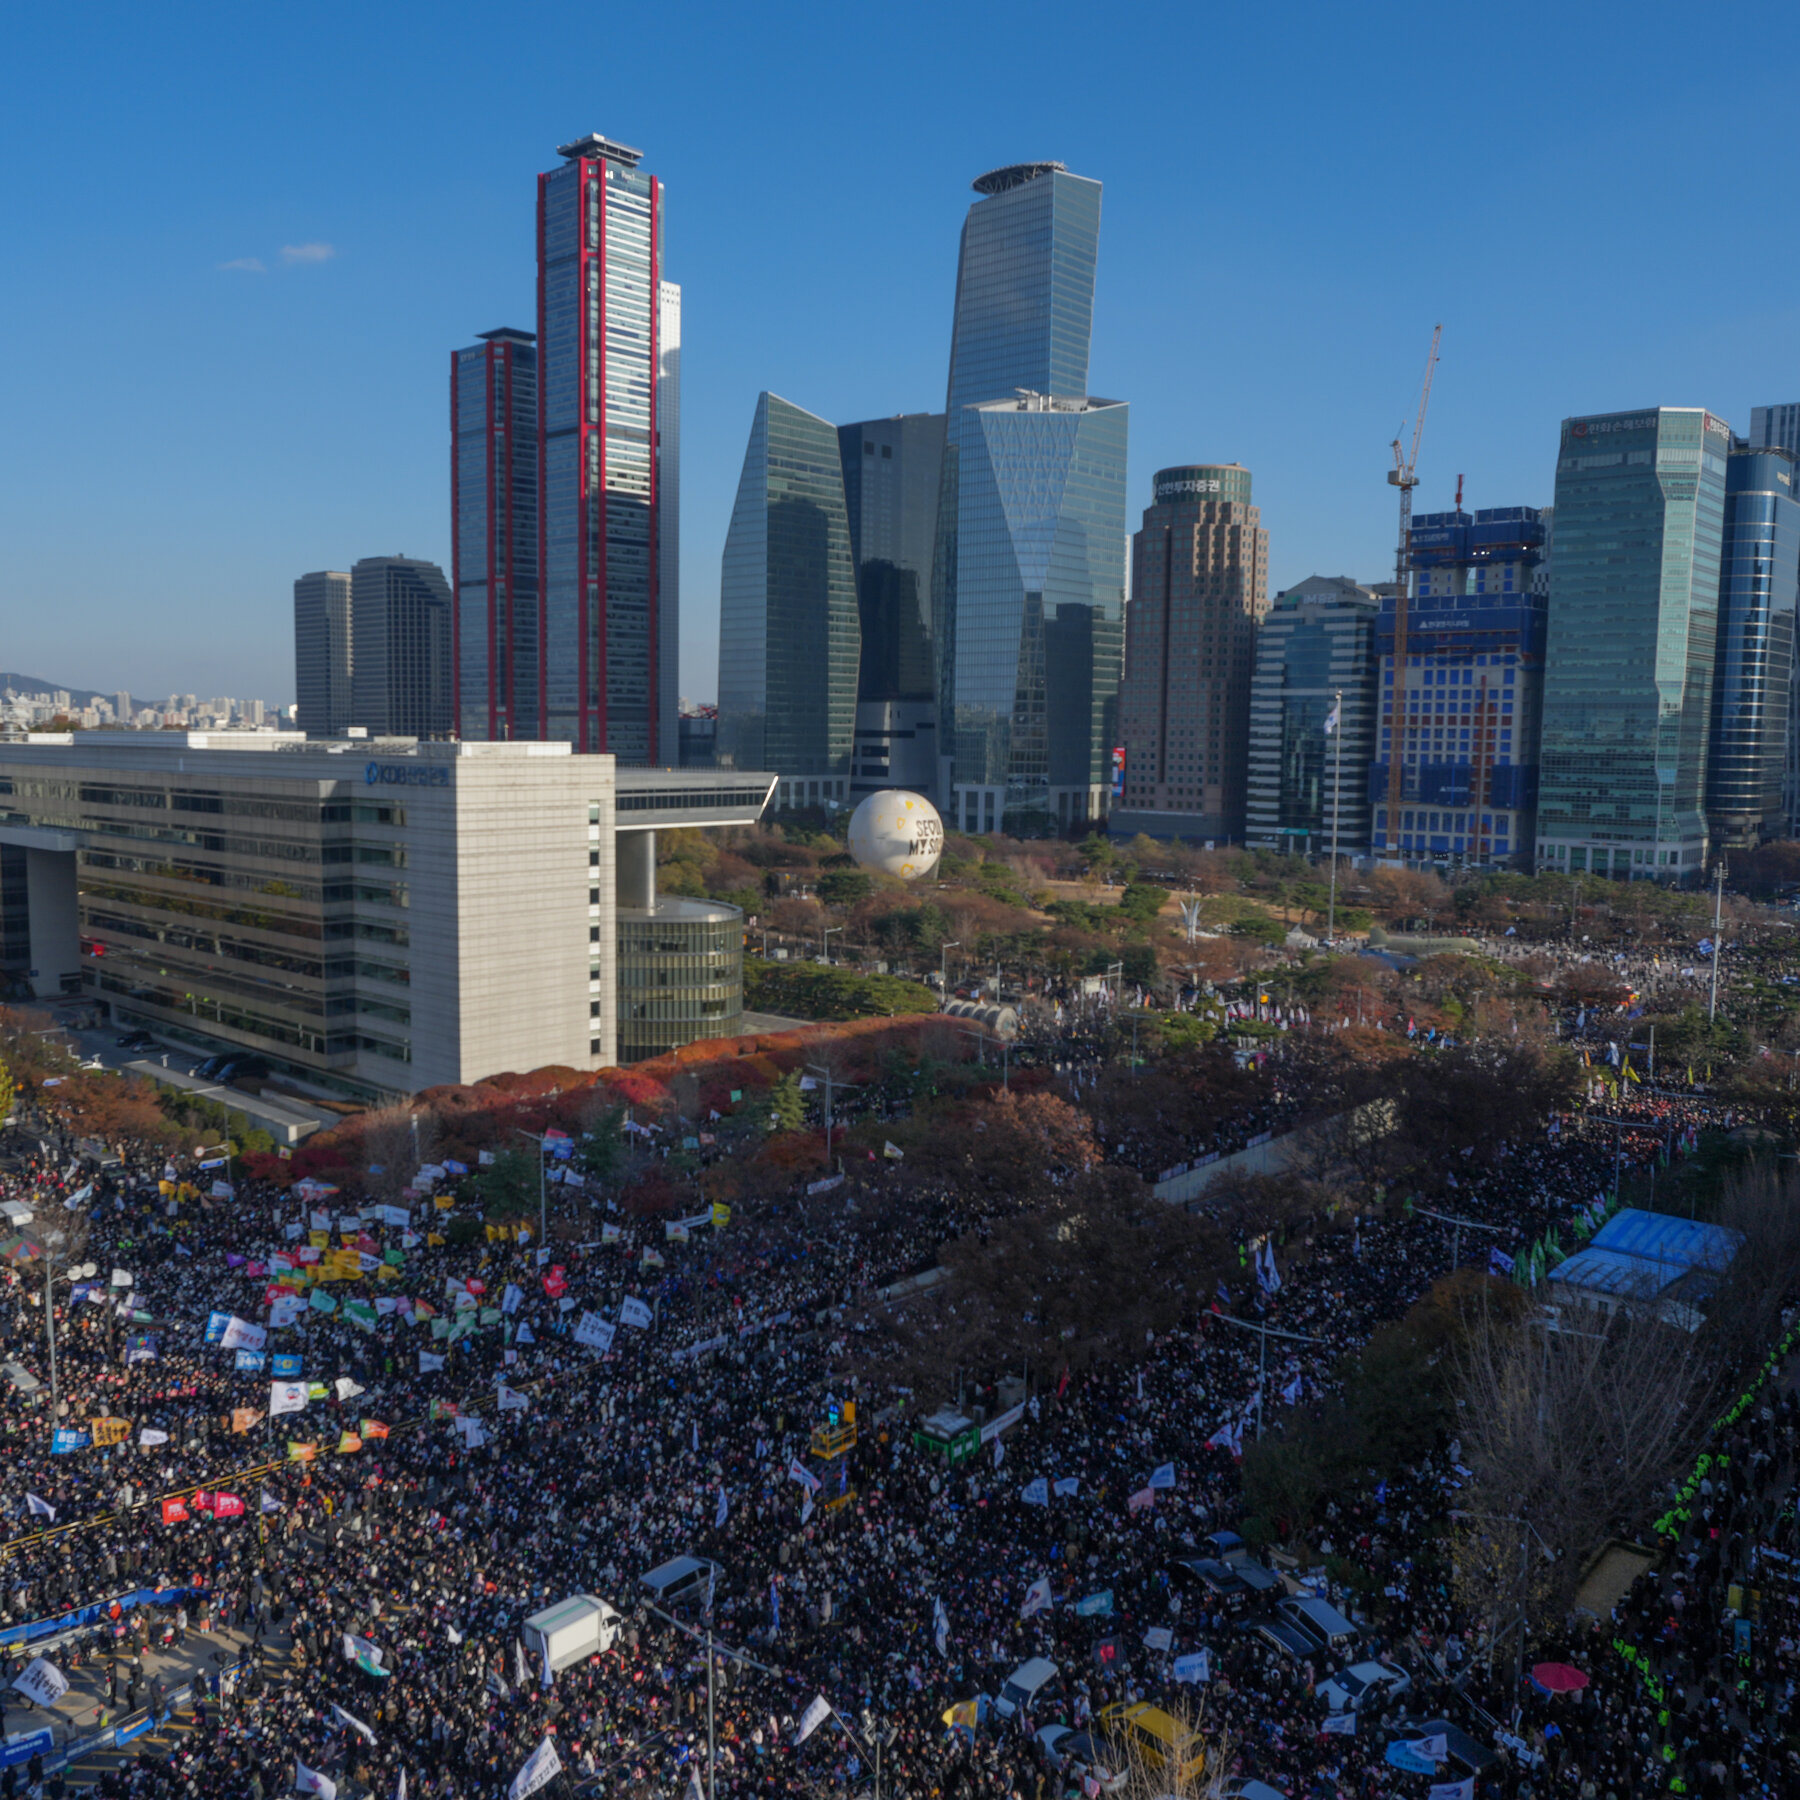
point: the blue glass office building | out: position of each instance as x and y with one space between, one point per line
1028 578
1634 601
789 637
1754 658
1466 706
1772 428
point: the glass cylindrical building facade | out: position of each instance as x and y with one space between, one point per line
681 975
1759 577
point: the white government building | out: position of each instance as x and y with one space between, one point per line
370 916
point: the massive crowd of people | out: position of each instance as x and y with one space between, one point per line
468 1453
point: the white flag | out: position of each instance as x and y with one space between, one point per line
1435 1748
1037 1597
357 1647
400 1787
269 1502
309 1781
350 1719
723 1512
541 1768
347 1389
1340 1724
593 1331
1162 1476
41 1509
511 1400
999 1453
634 1312
1034 1493
940 1625
286 1397
149 1438
693 1787
814 1716
429 1364
242 1336
1452 1790
798 1471
1332 717
42 1682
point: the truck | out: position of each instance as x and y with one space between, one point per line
571 1631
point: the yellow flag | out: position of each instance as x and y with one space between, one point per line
721 1215
962 1713
301 1452
109 1431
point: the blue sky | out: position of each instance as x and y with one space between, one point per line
241 243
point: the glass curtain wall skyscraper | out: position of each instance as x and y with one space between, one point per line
1020 593
494 536
400 611
789 637
1634 601
1753 664
1307 786
601 307
892 472
322 653
1778 428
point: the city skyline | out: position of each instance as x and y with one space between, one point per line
248 476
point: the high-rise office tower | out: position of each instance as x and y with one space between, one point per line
1778 428
1028 573
498 650
1634 601
401 632
668 524
892 470
1199 589
605 393
789 638
122 707
1753 662
1470 696
323 657
1308 785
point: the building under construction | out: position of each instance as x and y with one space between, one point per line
1464 711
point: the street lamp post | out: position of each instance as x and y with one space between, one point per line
543 1197
1264 1331
825 942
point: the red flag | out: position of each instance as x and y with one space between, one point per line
1062 1386
202 1501
174 1511
227 1506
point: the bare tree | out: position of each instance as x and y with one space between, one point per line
1763 1206
1570 1419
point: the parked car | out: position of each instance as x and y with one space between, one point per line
1358 1684
1157 1740
1218 1582
1287 1641
1322 1622
1021 1687
1073 1754
1244 1788
135 1040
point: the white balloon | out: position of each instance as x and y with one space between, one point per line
897 833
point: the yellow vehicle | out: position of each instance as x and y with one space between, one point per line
1156 1739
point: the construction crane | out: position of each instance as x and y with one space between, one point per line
1403 475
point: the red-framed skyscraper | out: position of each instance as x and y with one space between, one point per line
573 636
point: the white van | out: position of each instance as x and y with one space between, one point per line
1021 1686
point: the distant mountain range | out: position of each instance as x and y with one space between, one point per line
36 684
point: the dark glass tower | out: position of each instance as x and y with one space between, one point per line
400 647
892 472
1759 582
601 303
494 533
1037 592
789 639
